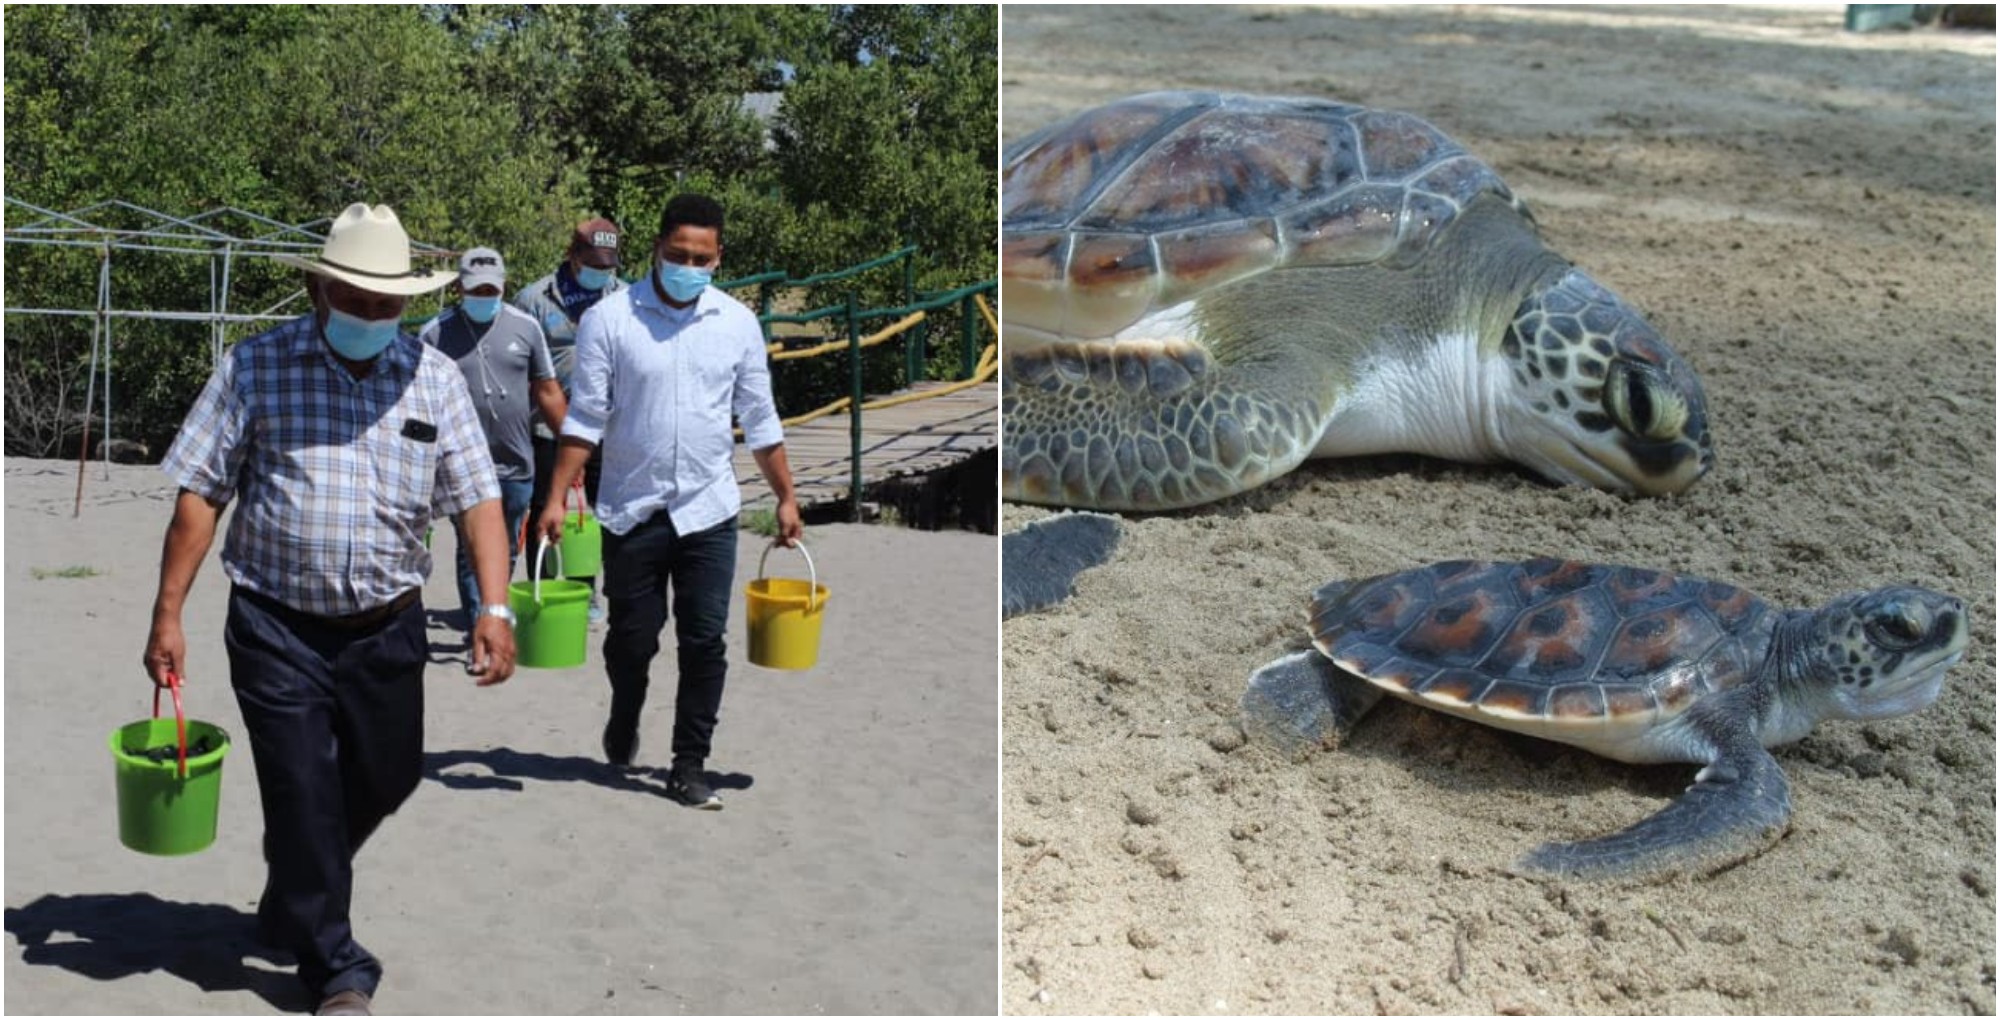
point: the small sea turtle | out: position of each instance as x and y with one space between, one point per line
1636 665
1200 291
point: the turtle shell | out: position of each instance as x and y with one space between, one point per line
1147 202
1585 653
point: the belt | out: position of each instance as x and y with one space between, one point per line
363 620
371 617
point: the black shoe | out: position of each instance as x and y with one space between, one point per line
621 744
687 785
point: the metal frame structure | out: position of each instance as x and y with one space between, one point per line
222 235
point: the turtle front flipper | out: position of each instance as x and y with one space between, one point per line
1737 807
1148 425
1303 703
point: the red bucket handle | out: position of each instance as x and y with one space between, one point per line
180 717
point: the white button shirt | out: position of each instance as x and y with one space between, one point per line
656 386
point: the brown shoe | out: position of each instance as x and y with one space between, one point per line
351 1002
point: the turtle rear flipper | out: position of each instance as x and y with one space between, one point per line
1736 808
1146 425
1039 563
1303 702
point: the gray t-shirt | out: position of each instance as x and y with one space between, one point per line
500 360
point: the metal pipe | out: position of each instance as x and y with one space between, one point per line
854 410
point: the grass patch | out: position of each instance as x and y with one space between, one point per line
80 570
762 522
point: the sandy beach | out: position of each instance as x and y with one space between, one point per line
1808 216
852 871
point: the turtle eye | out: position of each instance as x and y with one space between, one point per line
1897 625
1642 405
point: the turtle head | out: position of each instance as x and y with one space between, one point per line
1882 653
1593 396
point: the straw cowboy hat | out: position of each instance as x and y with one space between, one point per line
367 248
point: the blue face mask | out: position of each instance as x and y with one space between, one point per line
682 283
356 338
481 309
593 279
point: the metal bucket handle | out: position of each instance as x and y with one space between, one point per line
540 551
812 595
180 717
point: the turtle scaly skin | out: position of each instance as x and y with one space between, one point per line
1201 291
1635 665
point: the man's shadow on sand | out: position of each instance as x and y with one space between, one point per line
503 768
108 936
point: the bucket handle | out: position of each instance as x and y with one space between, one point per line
812 595
540 551
575 489
180 717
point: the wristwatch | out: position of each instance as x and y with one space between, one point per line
501 610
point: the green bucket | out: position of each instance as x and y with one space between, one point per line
551 618
168 807
582 546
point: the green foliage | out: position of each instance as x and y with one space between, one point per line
494 124
761 521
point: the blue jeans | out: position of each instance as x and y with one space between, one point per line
642 569
514 498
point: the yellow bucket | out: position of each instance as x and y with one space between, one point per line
784 615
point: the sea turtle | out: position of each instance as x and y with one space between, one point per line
1636 665
1199 291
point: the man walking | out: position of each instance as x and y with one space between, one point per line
588 274
340 437
500 351
660 368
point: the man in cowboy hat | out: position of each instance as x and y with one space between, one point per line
500 351
660 370
588 274
340 437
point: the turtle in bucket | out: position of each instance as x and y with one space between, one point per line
1200 291
1636 665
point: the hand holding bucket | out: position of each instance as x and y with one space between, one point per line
168 808
784 616
551 618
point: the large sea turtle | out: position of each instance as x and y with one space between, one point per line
1199 291
1636 665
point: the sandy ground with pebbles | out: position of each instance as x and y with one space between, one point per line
1808 216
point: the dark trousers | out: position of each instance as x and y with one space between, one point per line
640 568
545 468
335 717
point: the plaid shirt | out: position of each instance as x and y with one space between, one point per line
339 476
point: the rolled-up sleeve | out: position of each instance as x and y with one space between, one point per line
590 381
208 453
752 403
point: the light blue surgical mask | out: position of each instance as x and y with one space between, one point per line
593 279
358 339
481 309
682 283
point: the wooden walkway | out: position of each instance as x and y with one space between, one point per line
916 436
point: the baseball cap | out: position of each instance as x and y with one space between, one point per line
599 233
479 267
